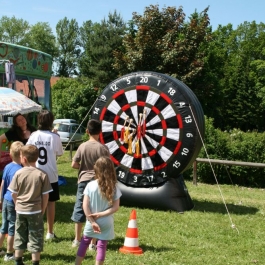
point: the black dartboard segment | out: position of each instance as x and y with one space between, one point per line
162 117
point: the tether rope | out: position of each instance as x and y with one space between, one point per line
228 213
79 126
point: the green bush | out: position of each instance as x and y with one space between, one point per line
234 145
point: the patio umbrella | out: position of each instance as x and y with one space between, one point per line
13 102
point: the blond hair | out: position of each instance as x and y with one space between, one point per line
106 176
15 149
31 152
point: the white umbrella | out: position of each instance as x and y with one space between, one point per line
13 102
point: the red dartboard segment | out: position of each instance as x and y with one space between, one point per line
180 121
155 110
165 103
117 94
142 87
141 103
177 148
115 135
157 168
115 161
101 138
125 107
103 113
153 152
136 171
165 97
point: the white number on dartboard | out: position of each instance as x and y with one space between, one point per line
185 151
171 91
164 175
113 87
188 119
121 174
176 164
103 97
150 178
143 79
43 158
96 110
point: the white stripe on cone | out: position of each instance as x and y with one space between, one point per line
132 224
131 242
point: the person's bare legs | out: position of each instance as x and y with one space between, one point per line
50 213
10 243
35 256
94 241
99 262
78 260
78 231
2 239
19 253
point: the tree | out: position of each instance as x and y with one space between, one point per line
99 41
13 30
242 105
69 47
40 37
72 98
162 41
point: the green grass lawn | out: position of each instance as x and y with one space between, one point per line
201 236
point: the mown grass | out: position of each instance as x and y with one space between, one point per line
201 236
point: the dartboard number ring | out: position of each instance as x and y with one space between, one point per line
148 126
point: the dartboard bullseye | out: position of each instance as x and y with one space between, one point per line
150 124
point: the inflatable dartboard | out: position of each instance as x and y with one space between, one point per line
151 124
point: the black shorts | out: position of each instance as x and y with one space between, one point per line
54 195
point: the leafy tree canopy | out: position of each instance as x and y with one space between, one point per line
13 30
41 37
162 41
99 41
73 98
69 47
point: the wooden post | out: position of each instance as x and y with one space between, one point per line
195 173
70 153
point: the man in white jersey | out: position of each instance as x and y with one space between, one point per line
50 146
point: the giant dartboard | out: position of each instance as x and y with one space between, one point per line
151 124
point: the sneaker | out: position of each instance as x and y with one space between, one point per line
75 243
8 258
50 236
92 247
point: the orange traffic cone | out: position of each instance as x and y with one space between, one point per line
131 244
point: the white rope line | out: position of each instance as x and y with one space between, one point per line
230 218
79 127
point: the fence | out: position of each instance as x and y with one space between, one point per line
72 144
222 162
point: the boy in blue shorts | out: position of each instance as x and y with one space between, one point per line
30 189
8 206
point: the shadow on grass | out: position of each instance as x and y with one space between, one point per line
214 207
118 242
66 258
70 188
64 212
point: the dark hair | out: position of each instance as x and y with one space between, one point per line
45 120
31 152
94 127
18 130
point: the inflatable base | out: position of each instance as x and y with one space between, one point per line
172 195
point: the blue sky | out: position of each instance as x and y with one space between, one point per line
220 11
